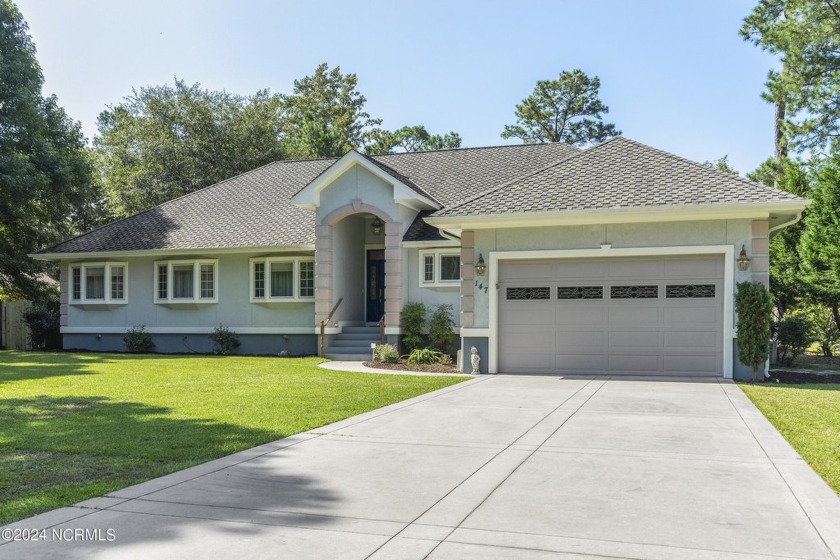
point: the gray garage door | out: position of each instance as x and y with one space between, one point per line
636 316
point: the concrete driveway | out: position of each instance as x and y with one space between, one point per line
497 467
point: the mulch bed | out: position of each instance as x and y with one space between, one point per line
797 377
402 366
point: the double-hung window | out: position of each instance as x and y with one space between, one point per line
188 281
103 283
440 267
282 279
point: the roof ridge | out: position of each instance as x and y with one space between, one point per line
400 177
525 176
466 148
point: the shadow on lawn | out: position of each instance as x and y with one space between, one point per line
21 366
58 446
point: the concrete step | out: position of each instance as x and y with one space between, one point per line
356 330
366 350
348 357
338 341
358 336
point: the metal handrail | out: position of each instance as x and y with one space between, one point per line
382 330
322 349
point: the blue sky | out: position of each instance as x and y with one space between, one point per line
675 74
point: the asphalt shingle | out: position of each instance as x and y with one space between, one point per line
254 209
619 173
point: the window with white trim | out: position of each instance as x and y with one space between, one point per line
440 267
100 283
282 279
187 281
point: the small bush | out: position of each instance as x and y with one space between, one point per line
413 322
44 322
792 339
137 340
423 356
823 329
225 341
441 325
386 353
754 308
446 360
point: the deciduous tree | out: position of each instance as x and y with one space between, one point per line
166 141
45 173
567 109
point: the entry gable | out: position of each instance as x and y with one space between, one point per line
405 192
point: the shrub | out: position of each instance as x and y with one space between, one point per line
413 322
423 356
137 340
446 360
823 329
754 308
225 341
792 338
386 353
441 325
44 322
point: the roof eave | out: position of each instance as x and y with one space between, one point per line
620 215
170 252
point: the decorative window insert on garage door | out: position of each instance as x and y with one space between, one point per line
618 316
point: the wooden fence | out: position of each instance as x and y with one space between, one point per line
15 333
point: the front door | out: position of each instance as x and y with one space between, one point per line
375 285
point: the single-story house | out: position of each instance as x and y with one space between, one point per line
615 259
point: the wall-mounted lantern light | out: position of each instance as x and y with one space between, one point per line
480 266
743 259
377 226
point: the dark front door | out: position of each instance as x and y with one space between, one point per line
375 285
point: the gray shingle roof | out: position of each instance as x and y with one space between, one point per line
618 173
254 209
250 210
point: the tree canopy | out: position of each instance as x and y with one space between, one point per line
805 34
567 109
819 245
325 116
45 171
786 284
412 139
166 141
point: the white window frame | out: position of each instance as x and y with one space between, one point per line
268 298
107 300
437 281
196 265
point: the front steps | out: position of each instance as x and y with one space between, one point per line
353 344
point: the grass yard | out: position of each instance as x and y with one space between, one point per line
74 426
808 416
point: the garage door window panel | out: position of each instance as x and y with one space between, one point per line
634 292
528 293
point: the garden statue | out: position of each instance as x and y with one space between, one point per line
475 360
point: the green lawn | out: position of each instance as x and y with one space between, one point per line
74 426
809 418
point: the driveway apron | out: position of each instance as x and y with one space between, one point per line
497 467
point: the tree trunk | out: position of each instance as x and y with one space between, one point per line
781 147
